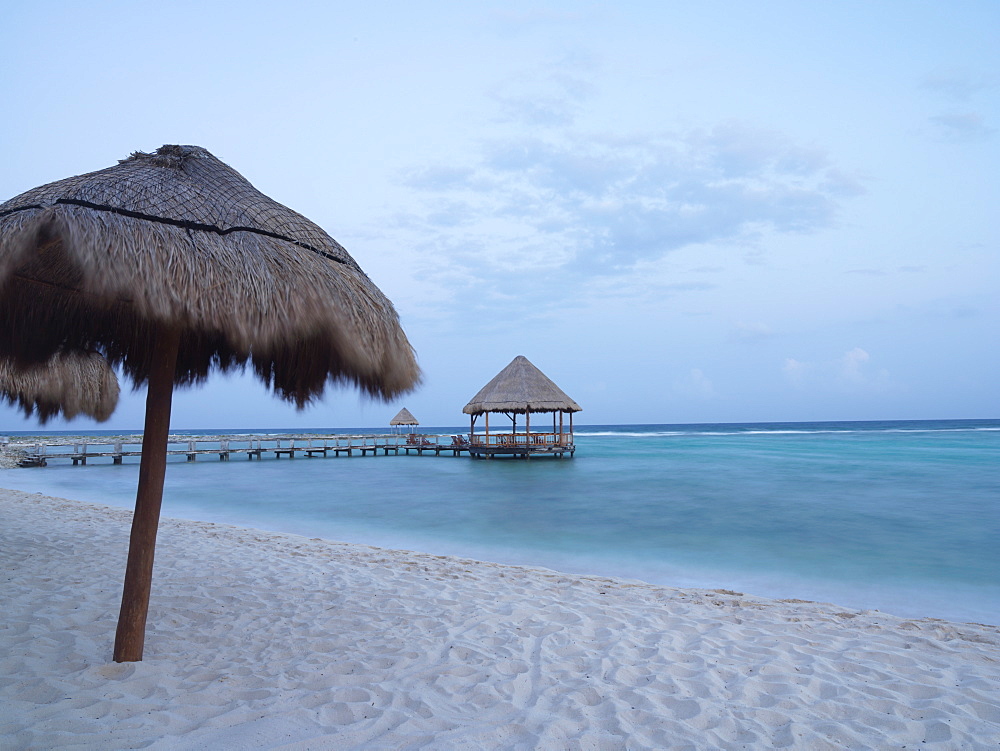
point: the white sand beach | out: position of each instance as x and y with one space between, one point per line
262 640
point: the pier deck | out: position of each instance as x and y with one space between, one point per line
253 447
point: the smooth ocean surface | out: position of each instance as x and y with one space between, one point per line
903 517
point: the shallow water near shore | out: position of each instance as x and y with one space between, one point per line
901 517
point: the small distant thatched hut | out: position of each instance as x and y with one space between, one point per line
403 417
70 383
521 389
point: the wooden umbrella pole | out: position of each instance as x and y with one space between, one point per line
131 631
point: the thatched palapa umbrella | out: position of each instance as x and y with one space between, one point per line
172 265
69 383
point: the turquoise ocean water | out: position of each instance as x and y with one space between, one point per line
903 517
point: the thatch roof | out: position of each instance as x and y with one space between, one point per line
520 388
172 265
177 238
404 417
70 382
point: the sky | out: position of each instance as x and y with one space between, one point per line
680 212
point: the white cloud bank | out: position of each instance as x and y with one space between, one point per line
853 372
592 203
694 385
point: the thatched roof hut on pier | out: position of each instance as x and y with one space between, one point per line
403 417
521 389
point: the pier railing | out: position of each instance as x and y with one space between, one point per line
526 440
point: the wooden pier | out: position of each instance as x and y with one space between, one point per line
38 454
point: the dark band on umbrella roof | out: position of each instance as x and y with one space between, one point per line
196 226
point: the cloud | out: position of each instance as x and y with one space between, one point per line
440 177
960 88
884 272
954 84
598 202
513 21
695 385
852 365
795 371
752 332
961 127
556 211
552 100
633 289
852 372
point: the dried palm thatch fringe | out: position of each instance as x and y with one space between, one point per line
72 383
179 239
173 265
520 388
404 417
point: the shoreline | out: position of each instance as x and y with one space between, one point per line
268 640
954 599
